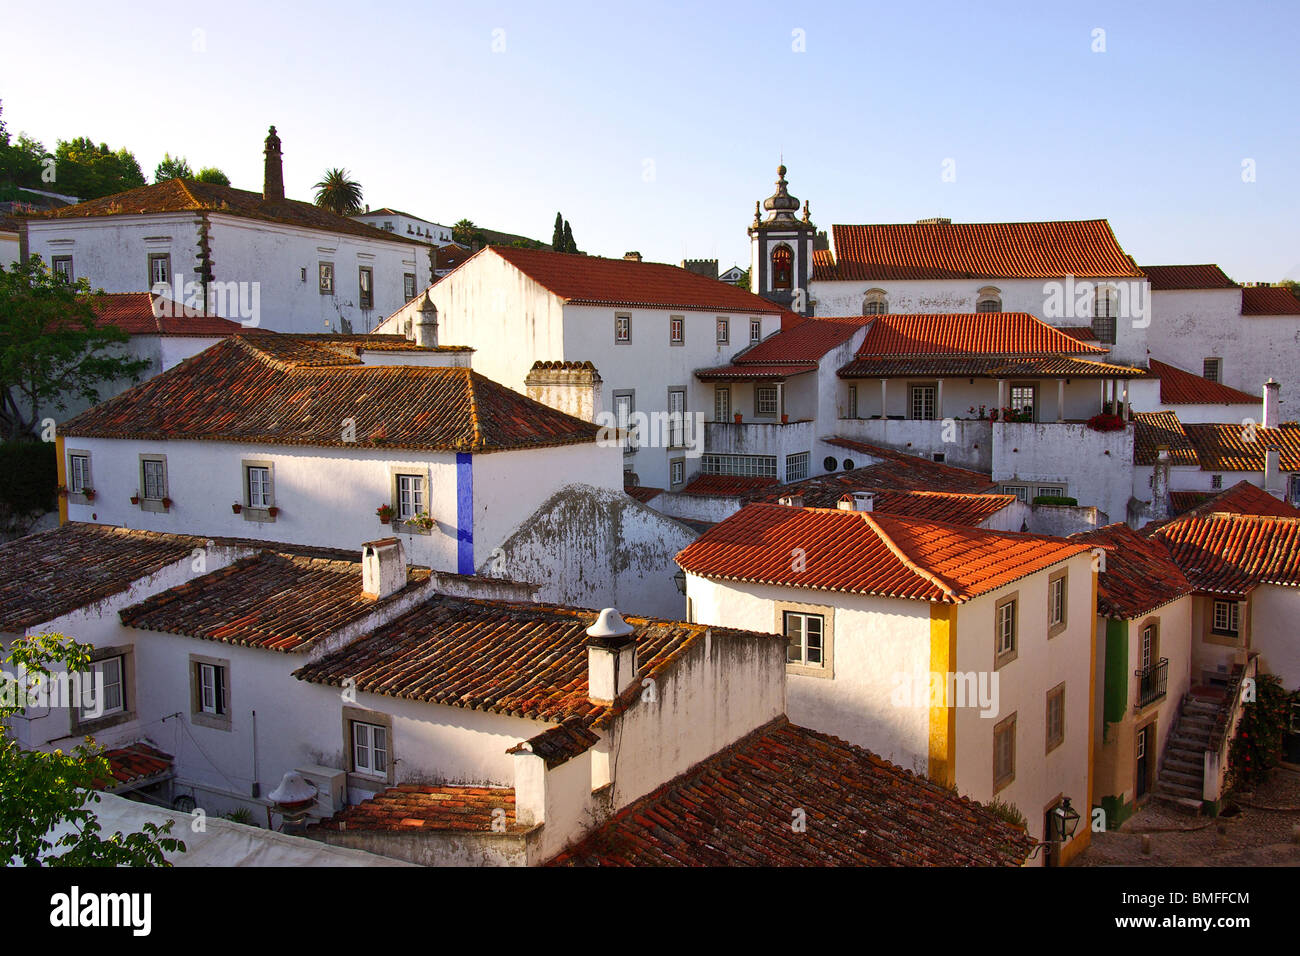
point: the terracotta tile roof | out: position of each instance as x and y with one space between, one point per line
411 808
1084 333
1242 498
297 390
985 367
522 660
134 762
792 351
1269 300
1224 447
941 506
1139 574
188 195
1153 429
734 810
559 744
726 485
896 471
143 313
1174 278
1178 387
1011 250
868 553
1181 502
1001 334
279 602
763 372
592 280
1231 554
644 493
824 264
52 573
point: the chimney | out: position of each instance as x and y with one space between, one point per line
858 501
1273 472
383 568
611 657
273 176
1272 391
426 324
791 501
1160 485
632 256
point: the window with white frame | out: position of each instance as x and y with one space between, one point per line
677 471
1227 618
78 473
624 409
765 400
803 633
211 686
410 496
257 485
1056 596
676 417
1212 369
1005 626
62 267
1024 399
408 286
325 271
160 269
751 466
722 403
796 466
154 478
676 329
106 693
724 330
622 328
369 749
923 402
755 330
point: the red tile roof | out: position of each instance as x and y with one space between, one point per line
1002 334
279 602
1084 333
592 280
188 195
1232 447
1012 250
1139 574
984 367
133 763
1174 278
727 485
1242 498
1153 429
734 809
644 493
868 553
945 506
411 808
824 264
1231 554
1178 387
1269 300
893 470
297 390
741 372
143 313
791 351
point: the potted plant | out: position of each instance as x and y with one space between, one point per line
89 493
785 419
135 498
379 435
385 513
1106 422
273 511
423 521
236 507
166 503
738 418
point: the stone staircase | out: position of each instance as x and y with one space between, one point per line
1182 775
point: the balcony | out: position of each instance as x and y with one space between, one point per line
1152 682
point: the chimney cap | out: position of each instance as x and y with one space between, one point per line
294 788
610 629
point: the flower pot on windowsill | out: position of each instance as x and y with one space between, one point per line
272 511
385 514
738 418
135 499
236 508
785 419
88 494
167 504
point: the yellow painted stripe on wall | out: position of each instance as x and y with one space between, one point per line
943 717
62 466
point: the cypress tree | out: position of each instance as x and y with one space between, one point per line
557 237
569 244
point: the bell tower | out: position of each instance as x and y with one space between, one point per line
781 250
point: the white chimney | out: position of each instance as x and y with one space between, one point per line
858 501
1273 472
426 324
1160 485
383 568
1272 390
611 657
791 501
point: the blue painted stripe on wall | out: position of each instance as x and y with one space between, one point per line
464 513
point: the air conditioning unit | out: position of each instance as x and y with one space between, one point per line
331 789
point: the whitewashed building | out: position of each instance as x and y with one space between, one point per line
405 224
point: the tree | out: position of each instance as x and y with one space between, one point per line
21 162
88 171
52 346
210 174
464 232
743 281
43 790
338 193
170 168
557 237
569 244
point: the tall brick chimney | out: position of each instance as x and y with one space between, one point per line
273 176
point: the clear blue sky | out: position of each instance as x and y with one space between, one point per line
412 99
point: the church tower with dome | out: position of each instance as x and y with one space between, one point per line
781 250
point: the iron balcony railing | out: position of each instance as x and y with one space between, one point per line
1152 681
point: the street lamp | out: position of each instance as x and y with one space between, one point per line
1065 820
680 580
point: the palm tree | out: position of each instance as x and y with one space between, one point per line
337 193
463 232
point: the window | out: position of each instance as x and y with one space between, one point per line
676 330
326 270
1004 752
765 400
803 632
677 471
79 473
923 402
1057 592
853 401
751 466
722 403
1055 717
622 328
624 409
62 266
1227 618
875 303
408 286
796 466
212 689
1103 314
755 330
410 496
1020 491
1023 399
989 300
369 749
1212 369
1216 482
724 330
107 675
676 417
160 270
1293 494
366 286
1004 630
782 267
153 478
1050 491
210 692
257 486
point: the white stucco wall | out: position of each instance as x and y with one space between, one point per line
1274 611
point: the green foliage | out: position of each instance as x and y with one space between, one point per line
52 347
29 478
21 162
569 245
743 281
1055 500
171 168
1257 748
557 235
1007 811
90 171
338 192
464 232
242 815
43 790
210 174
